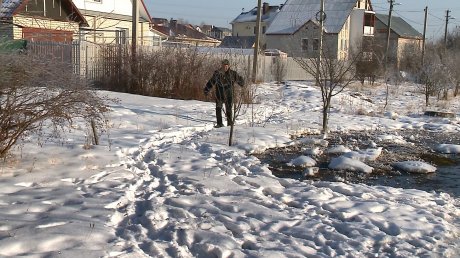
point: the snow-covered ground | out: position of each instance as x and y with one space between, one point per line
164 183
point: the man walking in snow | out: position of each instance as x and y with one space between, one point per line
224 79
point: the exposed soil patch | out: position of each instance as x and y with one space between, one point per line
407 145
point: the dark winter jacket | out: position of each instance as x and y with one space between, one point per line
223 80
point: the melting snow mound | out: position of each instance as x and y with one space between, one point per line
344 163
448 148
302 161
415 167
364 155
339 149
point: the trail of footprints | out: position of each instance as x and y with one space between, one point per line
159 219
169 215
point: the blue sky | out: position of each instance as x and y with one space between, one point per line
222 12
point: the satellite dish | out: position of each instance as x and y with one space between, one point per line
320 16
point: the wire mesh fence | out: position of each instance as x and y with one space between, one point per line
95 61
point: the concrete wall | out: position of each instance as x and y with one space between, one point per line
356 31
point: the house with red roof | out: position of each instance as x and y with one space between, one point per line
40 20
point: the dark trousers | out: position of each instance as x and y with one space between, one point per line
224 96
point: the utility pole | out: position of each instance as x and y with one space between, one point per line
445 31
424 35
388 32
135 22
257 42
321 16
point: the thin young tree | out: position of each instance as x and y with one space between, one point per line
240 95
332 75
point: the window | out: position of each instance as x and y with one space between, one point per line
315 44
304 44
121 36
264 29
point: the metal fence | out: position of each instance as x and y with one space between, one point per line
95 61
67 53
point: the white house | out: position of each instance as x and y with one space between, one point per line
244 25
295 29
110 21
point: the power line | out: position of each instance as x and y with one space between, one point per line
383 7
415 22
192 16
441 19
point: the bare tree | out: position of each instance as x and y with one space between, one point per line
454 69
240 96
243 97
411 59
36 94
437 76
332 76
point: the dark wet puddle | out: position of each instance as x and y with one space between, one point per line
408 145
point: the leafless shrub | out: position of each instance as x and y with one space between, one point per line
36 94
451 61
170 72
434 74
411 59
279 69
114 68
368 67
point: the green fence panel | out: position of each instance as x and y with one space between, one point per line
13 46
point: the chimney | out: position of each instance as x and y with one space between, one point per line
265 8
173 24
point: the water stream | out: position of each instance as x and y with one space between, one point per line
415 145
